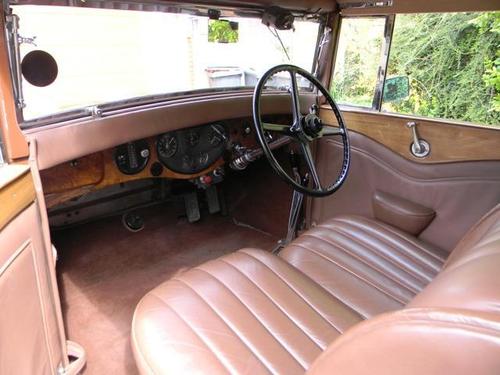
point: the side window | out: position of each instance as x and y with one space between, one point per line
357 61
452 61
440 65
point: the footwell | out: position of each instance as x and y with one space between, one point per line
104 270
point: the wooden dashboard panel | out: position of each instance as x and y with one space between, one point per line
450 142
85 171
99 170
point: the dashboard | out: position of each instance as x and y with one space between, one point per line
187 154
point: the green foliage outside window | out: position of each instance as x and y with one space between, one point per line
358 59
220 31
452 61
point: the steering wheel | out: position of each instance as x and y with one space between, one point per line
305 129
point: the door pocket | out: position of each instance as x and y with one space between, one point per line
401 213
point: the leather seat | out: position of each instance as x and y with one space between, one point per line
368 265
247 312
254 312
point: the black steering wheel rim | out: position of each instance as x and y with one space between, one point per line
318 191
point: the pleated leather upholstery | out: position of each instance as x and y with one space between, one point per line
450 327
248 312
252 312
368 265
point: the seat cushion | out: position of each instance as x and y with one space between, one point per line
247 312
370 266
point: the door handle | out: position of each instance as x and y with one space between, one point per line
419 148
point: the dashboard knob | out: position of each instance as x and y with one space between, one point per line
207 179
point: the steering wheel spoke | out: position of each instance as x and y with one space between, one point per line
306 151
295 100
276 127
331 131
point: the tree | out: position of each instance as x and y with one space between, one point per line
221 31
453 62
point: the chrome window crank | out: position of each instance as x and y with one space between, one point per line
419 147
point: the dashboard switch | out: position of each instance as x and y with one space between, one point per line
156 169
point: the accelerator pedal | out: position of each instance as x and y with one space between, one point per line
213 201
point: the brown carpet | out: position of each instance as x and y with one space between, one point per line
104 270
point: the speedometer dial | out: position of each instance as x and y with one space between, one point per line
217 135
193 138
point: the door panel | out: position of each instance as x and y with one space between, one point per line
29 335
459 193
450 142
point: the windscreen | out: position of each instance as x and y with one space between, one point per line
106 56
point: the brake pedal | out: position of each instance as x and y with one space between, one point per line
192 206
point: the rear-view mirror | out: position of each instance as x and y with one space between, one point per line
396 89
39 68
222 31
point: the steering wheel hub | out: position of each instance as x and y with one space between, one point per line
312 125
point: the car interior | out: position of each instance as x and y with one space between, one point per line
247 187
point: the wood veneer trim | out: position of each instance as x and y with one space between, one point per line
450 142
15 197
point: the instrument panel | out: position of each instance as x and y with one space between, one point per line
187 151
192 150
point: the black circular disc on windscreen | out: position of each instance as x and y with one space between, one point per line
39 68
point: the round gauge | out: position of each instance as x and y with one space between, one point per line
203 158
193 138
167 146
217 135
188 162
132 157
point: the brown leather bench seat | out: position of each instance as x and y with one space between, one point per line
254 312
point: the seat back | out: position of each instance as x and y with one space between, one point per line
452 326
470 277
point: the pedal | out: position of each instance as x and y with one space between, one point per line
222 201
212 199
192 206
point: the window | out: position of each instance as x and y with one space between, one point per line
443 65
358 59
106 55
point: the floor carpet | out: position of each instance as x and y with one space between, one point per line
104 270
